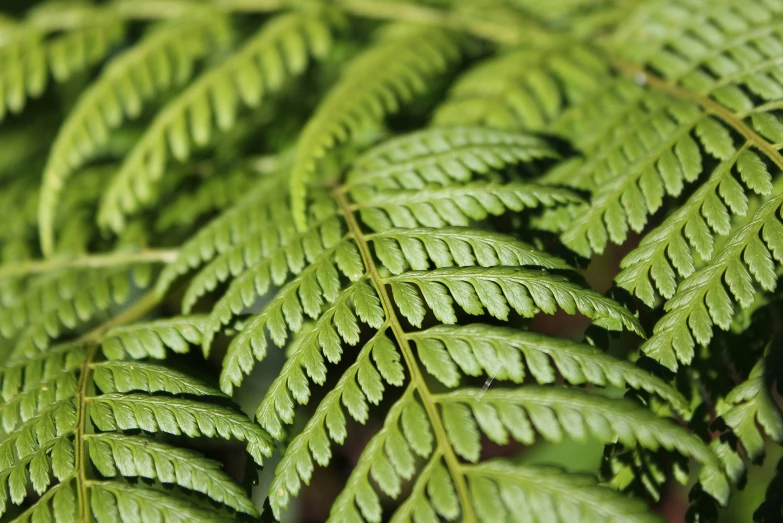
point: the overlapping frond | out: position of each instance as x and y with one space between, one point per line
62 300
164 59
442 156
749 408
555 413
86 35
279 50
411 261
49 441
396 69
524 493
236 224
704 299
500 290
524 89
508 354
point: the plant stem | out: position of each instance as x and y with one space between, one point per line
709 105
91 261
417 378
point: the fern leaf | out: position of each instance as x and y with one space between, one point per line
151 339
164 59
387 458
522 89
627 186
455 205
281 48
503 491
122 376
750 406
274 249
432 480
67 299
305 294
392 72
118 455
338 324
112 501
87 38
455 246
236 224
556 412
361 383
702 301
443 156
664 253
499 290
112 412
495 351
36 397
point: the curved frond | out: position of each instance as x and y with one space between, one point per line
500 290
554 413
127 456
163 60
503 491
478 349
749 407
112 501
235 225
522 89
394 71
703 300
455 204
666 253
65 299
87 35
279 50
151 339
443 156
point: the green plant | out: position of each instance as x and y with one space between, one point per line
393 193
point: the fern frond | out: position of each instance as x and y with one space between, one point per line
387 458
749 407
66 299
556 412
500 290
52 440
665 252
443 156
456 204
151 339
87 34
479 349
305 294
399 249
279 50
271 253
237 224
115 501
112 412
127 456
394 71
522 89
522 493
702 300
128 376
164 59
